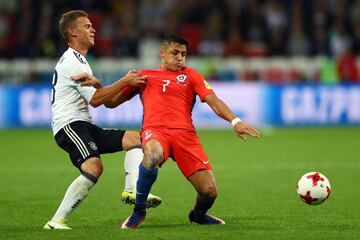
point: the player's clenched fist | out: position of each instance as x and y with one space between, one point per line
133 78
87 79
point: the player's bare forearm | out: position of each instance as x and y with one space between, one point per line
219 107
105 95
222 110
116 101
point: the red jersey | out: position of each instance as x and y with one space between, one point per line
169 97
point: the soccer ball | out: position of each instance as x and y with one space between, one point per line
313 188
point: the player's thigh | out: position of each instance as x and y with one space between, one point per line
108 140
188 153
77 140
155 143
130 139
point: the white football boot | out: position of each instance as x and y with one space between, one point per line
56 225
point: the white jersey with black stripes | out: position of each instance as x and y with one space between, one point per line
69 100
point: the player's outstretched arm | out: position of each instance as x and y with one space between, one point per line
104 95
124 95
222 110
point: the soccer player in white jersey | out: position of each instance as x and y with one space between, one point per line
72 124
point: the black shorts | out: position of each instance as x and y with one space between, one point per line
83 140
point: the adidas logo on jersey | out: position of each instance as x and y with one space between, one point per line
78 56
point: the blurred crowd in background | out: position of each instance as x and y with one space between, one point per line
215 28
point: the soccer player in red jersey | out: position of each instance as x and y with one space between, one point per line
167 131
168 99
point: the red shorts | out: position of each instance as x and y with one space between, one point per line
182 145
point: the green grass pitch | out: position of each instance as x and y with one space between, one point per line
256 181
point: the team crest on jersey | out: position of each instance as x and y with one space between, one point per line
182 78
93 146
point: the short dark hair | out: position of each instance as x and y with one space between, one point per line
173 38
67 21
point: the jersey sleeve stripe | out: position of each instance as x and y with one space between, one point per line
77 55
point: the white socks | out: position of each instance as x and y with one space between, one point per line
80 187
132 161
76 192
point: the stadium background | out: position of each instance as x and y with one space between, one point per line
276 63
290 63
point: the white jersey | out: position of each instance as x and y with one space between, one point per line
69 100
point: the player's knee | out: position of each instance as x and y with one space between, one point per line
93 166
209 191
152 159
96 169
212 192
153 154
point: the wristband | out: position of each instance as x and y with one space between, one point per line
235 121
